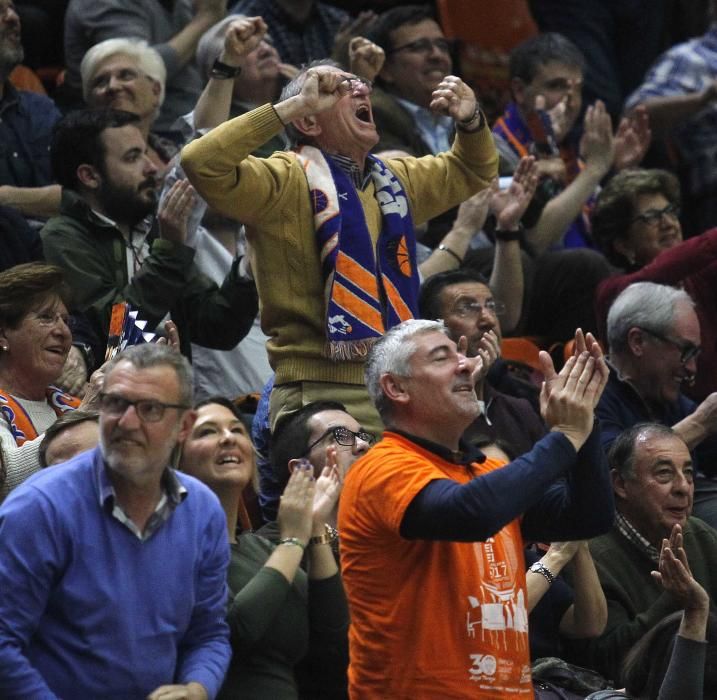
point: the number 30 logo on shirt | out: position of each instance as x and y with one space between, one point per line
484 666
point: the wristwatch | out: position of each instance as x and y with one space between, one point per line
540 568
223 71
327 537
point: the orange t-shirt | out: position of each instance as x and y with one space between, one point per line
429 619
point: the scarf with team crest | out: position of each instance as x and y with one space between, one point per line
367 292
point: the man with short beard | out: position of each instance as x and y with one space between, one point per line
26 118
103 239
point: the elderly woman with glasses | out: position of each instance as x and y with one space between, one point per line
278 613
35 339
636 223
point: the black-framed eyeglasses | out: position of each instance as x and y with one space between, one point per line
148 410
473 309
343 436
688 351
654 217
425 45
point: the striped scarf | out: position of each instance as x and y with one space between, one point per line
21 426
367 292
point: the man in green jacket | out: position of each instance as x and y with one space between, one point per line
103 238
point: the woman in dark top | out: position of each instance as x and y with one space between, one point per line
277 612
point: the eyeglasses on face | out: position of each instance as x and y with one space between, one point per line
424 45
654 217
148 410
50 318
473 309
344 437
688 351
354 83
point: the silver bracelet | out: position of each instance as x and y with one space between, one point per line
294 542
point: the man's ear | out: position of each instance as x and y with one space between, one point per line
394 388
618 484
636 341
156 87
88 176
293 463
308 126
186 424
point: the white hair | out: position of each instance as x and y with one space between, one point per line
645 305
147 58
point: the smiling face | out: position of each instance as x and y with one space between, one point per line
422 61
661 372
457 308
37 348
347 128
438 400
137 450
218 450
119 83
659 494
645 240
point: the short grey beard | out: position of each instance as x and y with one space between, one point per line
9 58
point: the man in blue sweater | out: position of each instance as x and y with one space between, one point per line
112 565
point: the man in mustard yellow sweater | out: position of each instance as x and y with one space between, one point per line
332 228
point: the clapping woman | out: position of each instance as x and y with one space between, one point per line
277 611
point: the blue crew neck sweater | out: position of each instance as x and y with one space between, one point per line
87 610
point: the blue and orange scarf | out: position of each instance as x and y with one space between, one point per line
512 129
21 426
367 291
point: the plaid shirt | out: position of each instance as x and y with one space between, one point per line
630 533
688 68
297 43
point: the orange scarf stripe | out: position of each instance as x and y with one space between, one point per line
399 306
358 308
358 274
519 147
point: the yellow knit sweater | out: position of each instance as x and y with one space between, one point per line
271 197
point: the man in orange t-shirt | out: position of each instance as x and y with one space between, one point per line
432 537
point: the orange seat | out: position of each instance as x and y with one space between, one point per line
486 38
24 78
523 350
521 356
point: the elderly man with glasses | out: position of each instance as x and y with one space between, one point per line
636 223
655 342
113 576
332 228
